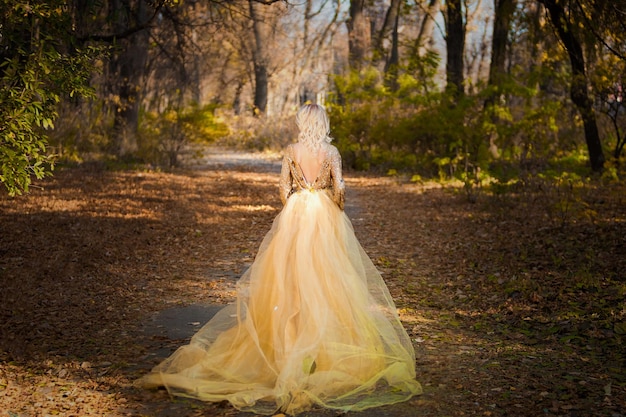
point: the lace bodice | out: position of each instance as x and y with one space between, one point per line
329 178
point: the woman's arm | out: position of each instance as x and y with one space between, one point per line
286 181
339 187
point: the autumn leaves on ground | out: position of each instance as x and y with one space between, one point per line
515 303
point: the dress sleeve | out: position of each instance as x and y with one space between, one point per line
339 187
286 180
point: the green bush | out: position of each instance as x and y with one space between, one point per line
383 130
492 137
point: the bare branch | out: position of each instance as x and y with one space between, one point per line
589 24
128 32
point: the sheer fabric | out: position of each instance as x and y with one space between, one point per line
313 323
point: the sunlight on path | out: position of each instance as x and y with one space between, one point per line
215 157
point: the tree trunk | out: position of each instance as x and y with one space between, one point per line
359 38
260 56
455 42
578 84
501 26
127 71
497 69
425 36
391 66
535 18
389 26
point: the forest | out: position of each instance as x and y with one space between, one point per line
483 147
480 91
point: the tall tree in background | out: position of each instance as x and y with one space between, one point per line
423 57
567 33
425 35
388 30
534 22
125 26
504 10
128 68
359 39
605 50
260 57
392 63
455 46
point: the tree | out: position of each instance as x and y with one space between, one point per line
497 69
423 59
40 64
502 23
455 46
427 27
389 28
127 70
612 99
604 20
567 33
391 66
260 57
358 34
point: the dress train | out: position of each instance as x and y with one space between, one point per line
313 324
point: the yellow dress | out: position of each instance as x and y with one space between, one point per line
313 323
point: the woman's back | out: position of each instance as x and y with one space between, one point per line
309 162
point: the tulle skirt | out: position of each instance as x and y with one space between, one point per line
313 324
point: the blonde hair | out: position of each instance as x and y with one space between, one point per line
314 126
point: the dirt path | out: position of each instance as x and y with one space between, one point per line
511 315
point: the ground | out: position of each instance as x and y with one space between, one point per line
514 301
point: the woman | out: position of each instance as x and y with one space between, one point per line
314 323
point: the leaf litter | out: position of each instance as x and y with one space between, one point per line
510 311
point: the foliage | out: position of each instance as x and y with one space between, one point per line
421 73
34 77
527 122
414 128
164 134
374 128
438 135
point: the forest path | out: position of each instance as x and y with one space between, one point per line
515 309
